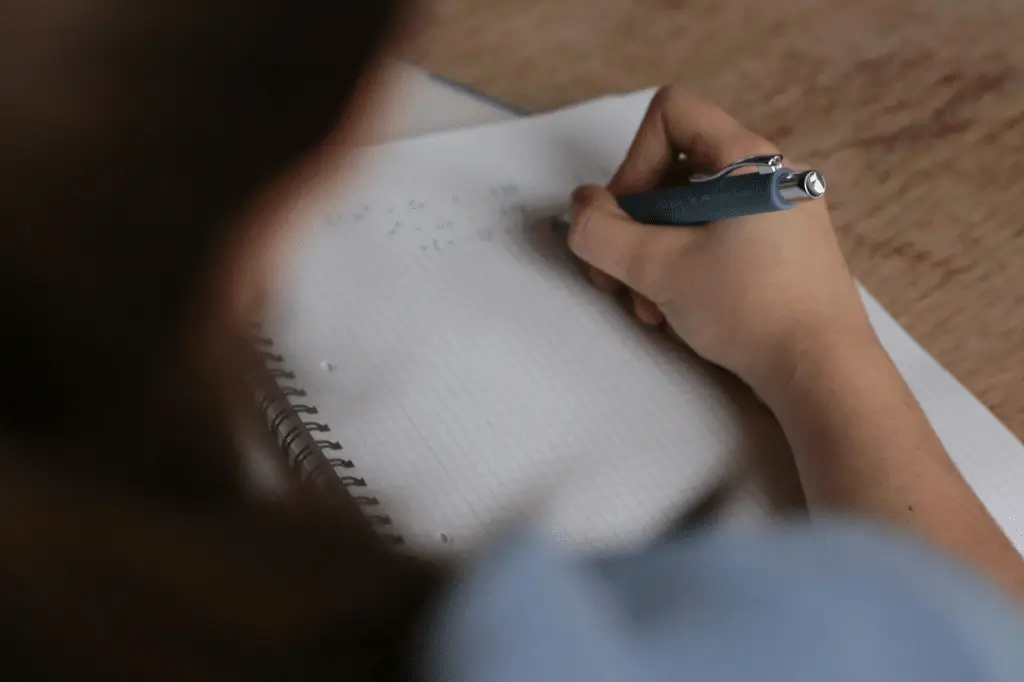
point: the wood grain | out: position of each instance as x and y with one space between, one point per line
914 109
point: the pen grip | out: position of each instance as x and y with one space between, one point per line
699 203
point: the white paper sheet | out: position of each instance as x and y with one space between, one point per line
473 374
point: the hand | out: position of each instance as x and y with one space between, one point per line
770 298
750 294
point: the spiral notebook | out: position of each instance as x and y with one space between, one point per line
454 370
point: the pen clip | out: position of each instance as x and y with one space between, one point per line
765 164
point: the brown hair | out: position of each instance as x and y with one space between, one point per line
132 136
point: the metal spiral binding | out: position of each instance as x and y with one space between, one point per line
300 440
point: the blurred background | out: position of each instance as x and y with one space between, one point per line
914 109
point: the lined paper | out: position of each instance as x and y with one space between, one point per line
474 376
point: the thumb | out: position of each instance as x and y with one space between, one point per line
609 240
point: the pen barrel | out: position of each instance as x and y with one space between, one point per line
699 203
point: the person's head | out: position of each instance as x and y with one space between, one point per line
136 138
140 142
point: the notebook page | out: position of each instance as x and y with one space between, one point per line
472 374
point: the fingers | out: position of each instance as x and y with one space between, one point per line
605 237
601 234
643 308
679 122
604 281
599 228
618 247
646 311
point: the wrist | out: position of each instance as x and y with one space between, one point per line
812 361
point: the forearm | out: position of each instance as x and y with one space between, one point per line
862 445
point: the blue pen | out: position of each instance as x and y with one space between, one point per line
722 195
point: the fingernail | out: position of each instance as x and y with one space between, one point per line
585 193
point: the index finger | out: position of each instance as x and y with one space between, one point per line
679 122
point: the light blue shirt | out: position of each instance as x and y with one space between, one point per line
823 601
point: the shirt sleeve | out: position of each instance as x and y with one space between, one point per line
811 601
